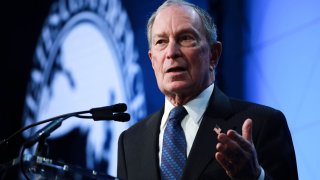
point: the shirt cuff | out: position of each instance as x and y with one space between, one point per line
261 177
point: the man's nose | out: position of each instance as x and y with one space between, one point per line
173 50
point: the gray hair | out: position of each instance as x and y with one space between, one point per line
207 22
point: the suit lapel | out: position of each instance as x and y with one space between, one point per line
203 148
151 148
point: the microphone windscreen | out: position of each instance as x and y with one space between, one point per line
121 107
122 117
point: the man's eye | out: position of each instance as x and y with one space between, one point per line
159 41
187 40
160 44
186 37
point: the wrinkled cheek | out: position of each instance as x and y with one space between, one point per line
156 68
159 77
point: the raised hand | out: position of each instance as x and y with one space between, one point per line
237 154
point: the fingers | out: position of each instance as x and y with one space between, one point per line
233 140
247 130
239 140
245 141
228 155
229 149
227 165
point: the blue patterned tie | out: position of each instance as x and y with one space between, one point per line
174 147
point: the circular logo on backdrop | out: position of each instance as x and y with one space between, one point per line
85 58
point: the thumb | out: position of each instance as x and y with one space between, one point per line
247 130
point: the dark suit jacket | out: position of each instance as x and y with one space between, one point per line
139 145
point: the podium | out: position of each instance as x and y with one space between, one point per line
42 168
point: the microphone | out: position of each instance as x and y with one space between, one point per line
105 115
122 117
114 112
121 107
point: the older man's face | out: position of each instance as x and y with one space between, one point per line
180 53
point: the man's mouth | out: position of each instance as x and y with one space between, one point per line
176 69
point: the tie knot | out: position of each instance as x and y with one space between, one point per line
177 113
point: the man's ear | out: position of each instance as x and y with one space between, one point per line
216 49
150 57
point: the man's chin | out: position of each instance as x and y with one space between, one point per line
179 88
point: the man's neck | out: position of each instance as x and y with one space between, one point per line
177 99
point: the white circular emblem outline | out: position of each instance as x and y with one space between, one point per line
59 22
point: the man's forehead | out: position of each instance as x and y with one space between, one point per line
174 9
184 16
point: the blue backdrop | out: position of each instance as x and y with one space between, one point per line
68 55
282 70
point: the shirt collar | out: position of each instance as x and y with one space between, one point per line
195 107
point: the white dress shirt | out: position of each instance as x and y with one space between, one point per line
191 122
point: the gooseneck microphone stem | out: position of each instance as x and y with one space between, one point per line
6 141
45 131
114 112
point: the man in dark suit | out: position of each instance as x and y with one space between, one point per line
222 138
